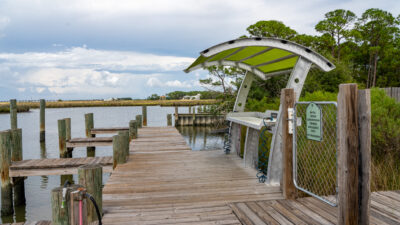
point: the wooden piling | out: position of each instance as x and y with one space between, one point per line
42 120
169 119
60 204
91 177
139 121
125 149
176 115
5 161
13 114
144 113
190 109
16 155
119 155
132 130
62 143
287 100
89 125
78 204
68 135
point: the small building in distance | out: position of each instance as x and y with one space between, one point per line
194 97
162 97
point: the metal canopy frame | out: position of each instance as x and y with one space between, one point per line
299 58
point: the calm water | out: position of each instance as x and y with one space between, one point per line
37 188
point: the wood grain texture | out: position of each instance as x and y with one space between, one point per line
108 130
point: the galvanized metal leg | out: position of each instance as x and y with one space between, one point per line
296 81
243 92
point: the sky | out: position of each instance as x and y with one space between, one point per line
98 49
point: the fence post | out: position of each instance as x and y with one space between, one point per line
144 113
62 133
91 177
139 121
354 147
13 114
89 124
68 135
287 101
169 119
364 175
5 161
16 155
42 120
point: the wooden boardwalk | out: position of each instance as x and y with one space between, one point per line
59 166
89 142
108 130
385 210
164 183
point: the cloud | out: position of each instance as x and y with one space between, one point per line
155 82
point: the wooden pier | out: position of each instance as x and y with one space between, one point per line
199 119
61 166
89 142
108 130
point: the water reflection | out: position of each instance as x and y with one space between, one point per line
208 139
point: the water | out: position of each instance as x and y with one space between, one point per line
37 188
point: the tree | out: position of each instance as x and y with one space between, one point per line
153 97
337 24
271 28
377 31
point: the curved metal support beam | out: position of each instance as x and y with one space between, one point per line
296 81
243 92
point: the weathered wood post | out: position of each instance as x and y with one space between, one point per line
78 204
16 155
5 161
89 124
91 177
144 113
139 121
287 101
190 109
62 143
132 130
169 119
60 204
68 135
354 147
42 120
176 115
119 155
13 114
125 148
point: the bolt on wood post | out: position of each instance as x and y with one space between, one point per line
62 143
68 135
78 200
354 155
287 101
89 125
119 155
91 177
16 155
169 119
125 149
60 204
132 129
42 120
139 121
144 113
5 161
13 114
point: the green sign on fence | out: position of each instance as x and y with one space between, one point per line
313 122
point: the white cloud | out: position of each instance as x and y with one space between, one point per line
155 82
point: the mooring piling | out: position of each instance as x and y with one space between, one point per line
5 161
91 177
68 135
13 114
89 125
16 155
62 141
139 121
169 119
60 204
133 129
144 113
119 149
42 120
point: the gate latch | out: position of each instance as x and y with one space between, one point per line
290 120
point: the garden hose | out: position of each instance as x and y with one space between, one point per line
95 206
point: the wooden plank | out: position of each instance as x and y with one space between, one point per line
108 130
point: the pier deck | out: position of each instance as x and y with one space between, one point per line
60 166
89 142
108 130
164 183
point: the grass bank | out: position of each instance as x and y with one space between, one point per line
116 103
20 108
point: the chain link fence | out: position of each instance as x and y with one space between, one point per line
315 150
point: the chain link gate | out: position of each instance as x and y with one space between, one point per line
315 150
